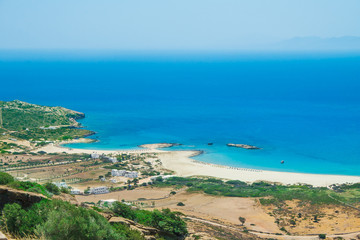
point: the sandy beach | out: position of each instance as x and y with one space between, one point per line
182 163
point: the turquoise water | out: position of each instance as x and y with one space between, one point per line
303 109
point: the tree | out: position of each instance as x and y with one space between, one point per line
52 188
135 181
322 236
5 178
242 220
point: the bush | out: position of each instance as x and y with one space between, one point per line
70 222
65 190
5 178
181 204
322 236
30 186
165 220
52 188
57 220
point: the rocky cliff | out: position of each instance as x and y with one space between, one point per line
25 199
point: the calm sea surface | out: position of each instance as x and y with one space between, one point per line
303 109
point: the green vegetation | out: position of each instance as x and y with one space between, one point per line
6 178
52 188
57 220
278 193
165 220
16 113
54 219
62 134
34 122
30 187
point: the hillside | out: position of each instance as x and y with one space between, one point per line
24 121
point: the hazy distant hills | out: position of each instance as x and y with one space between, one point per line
347 43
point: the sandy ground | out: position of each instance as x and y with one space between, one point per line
127 195
183 165
225 209
54 148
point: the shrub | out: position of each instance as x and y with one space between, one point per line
5 178
52 188
181 204
322 236
57 220
165 220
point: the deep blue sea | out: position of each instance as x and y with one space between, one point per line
300 108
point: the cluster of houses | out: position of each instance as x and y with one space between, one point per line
97 156
73 191
124 173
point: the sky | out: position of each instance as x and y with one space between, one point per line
170 24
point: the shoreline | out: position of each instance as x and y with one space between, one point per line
182 163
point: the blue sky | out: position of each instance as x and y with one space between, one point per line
169 24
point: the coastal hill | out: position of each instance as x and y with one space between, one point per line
17 115
24 121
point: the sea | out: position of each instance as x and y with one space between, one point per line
300 108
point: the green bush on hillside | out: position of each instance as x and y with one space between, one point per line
234 188
52 188
165 220
5 178
58 220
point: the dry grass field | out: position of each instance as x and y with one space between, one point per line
300 219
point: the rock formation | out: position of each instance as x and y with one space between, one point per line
245 146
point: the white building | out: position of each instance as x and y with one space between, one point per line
112 159
99 190
95 155
131 174
75 191
61 184
113 181
123 173
117 173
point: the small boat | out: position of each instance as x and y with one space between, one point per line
282 162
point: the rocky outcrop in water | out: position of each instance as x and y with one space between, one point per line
245 146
